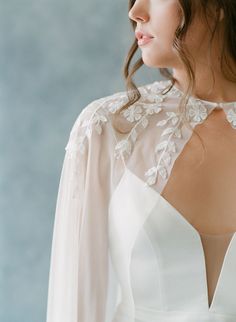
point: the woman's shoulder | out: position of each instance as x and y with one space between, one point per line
150 96
92 118
107 111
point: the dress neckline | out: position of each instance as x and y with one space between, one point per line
184 236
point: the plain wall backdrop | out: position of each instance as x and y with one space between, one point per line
56 56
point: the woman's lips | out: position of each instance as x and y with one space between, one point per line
139 34
144 40
143 37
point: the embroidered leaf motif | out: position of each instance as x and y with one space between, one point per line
163 172
172 146
162 123
151 175
144 122
231 117
121 147
151 171
171 114
169 130
167 158
99 118
178 133
151 180
160 146
173 117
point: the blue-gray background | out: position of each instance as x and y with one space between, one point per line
55 57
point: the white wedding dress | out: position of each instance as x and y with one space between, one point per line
121 252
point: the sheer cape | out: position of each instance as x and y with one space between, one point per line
120 251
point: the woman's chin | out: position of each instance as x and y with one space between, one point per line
150 62
155 62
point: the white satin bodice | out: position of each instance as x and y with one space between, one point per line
164 264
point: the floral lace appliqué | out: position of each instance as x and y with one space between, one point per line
84 126
167 148
231 117
196 112
138 112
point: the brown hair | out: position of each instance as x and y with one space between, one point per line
188 8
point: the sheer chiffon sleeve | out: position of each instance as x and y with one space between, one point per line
82 285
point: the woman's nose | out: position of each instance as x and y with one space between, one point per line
138 14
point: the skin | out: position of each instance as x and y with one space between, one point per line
160 18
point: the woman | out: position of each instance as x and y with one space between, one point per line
146 214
